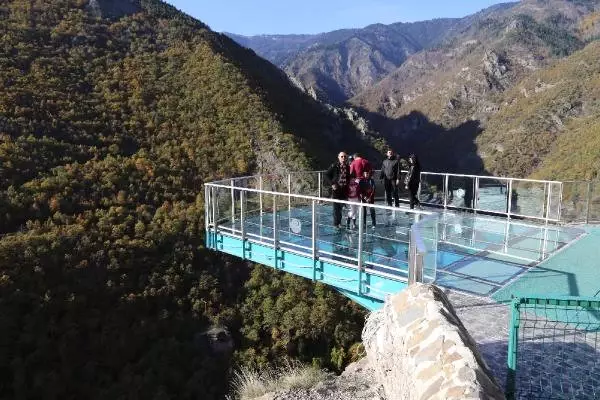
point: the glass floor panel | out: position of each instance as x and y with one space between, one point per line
477 254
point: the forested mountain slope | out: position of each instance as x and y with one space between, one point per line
440 100
112 115
550 122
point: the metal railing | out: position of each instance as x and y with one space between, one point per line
291 213
541 200
553 348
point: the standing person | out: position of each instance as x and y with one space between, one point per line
413 180
390 173
339 176
354 197
359 166
367 196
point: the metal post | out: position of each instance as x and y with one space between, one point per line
361 221
289 196
415 260
589 200
548 190
314 239
506 236
206 208
242 223
446 181
275 230
560 200
320 180
232 202
476 195
513 341
260 195
509 194
214 217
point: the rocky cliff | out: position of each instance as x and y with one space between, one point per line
418 348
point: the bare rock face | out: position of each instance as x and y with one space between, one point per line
419 349
495 68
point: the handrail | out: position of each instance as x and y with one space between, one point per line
536 199
232 202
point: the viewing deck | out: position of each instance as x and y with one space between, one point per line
472 236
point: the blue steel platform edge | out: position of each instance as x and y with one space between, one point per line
370 293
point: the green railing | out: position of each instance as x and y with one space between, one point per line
553 348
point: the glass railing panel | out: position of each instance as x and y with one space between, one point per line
528 198
594 208
553 208
461 191
574 201
425 235
385 244
274 182
432 189
295 226
493 195
305 183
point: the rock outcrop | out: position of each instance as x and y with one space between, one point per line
356 383
420 350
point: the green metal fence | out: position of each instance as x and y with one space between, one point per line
554 348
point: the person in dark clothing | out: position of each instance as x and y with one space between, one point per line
339 176
390 174
413 180
367 196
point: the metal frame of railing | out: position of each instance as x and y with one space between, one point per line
549 202
549 339
216 225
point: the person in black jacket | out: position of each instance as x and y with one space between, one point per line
413 180
339 176
390 174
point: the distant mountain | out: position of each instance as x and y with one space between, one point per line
337 65
441 99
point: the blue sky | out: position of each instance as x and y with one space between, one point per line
252 17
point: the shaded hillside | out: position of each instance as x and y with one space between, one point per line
464 79
108 129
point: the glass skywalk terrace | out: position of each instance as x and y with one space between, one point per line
285 221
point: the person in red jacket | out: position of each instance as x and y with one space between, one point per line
359 166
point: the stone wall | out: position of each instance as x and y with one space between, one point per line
420 350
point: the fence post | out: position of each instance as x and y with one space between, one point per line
233 202
289 184
275 231
260 195
548 201
320 180
415 260
513 337
361 231
589 200
476 195
242 220
214 217
315 230
509 194
446 180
